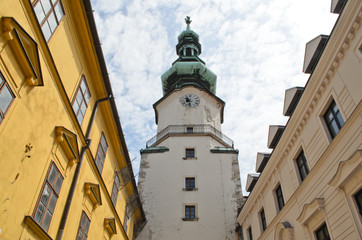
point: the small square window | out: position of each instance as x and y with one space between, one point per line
358 199
279 197
190 183
190 153
190 212
302 166
189 129
322 233
333 119
262 219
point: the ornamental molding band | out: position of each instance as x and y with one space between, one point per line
326 80
311 209
348 169
24 48
284 227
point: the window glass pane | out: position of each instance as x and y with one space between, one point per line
83 108
80 235
45 195
47 218
52 22
39 13
5 99
52 202
52 175
58 184
340 119
80 118
87 97
334 127
39 212
46 6
59 11
46 31
86 225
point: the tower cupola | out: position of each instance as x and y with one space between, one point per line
188 69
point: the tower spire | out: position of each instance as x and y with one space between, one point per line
188 22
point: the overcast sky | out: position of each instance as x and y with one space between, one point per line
255 47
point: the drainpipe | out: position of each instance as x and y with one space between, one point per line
63 220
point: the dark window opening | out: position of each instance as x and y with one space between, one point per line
190 183
279 196
250 234
333 119
115 189
188 52
302 166
358 199
190 212
263 219
83 227
322 233
189 129
101 152
190 153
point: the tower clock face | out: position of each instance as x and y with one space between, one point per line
190 100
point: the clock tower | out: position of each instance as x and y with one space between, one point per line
189 174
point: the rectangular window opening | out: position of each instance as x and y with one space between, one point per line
83 227
115 189
279 197
322 233
333 119
262 219
358 199
250 234
190 212
101 153
81 100
190 153
189 130
6 97
49 14
48 198
302 166
190 183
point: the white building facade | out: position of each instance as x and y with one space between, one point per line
189 175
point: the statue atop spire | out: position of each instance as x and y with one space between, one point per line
188 22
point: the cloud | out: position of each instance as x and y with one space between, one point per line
255 47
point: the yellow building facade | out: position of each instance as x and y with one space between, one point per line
66 172
310 185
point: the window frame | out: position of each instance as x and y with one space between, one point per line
83 99
4 84
302 164
323 227
262 220
190 211
337 116
357 203
100 159
188 152
80 227
46 17
115 189
279 197
250 233
126 219
46 183
193 183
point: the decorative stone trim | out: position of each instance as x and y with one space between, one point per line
68 141
30 222
93 192
110 226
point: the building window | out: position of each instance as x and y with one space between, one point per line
50 193
190 153
190 212
190 183
358 199
333 119
302 166
101 153
262 219
82 97
126 220
241 233
83 227
115 189
250 234
279 197
49 14
189 129
6 97
322 233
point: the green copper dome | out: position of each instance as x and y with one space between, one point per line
188 69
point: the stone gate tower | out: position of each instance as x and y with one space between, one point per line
189 174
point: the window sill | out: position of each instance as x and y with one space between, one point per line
30 222
190 219
189 190
185 158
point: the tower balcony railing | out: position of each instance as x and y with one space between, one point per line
202 129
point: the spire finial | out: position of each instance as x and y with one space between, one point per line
188 22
